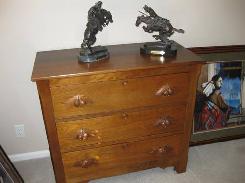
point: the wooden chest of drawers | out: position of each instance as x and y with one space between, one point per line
128 113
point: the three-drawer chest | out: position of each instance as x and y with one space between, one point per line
128 113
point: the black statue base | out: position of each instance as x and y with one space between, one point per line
159 49
96 53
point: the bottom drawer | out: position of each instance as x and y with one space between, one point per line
121 158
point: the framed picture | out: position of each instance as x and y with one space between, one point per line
220 101
8 173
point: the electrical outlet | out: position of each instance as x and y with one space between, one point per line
19 130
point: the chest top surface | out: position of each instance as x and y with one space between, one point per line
62 63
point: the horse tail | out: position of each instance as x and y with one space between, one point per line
179 30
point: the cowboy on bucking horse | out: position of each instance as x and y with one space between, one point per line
155 23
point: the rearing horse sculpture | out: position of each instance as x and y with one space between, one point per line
155 23
97 19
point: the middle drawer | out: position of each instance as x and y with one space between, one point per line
104 97
120 127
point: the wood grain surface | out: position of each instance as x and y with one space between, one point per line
49 121
121 158
117 95
121 127
64 63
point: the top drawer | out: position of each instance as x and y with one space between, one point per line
107 96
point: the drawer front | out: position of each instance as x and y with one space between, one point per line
121 158
101 97
82 134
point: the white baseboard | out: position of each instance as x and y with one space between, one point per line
29 155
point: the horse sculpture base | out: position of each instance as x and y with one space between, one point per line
96 54
159 49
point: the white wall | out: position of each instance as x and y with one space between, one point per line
28 26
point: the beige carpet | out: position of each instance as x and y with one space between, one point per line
222 162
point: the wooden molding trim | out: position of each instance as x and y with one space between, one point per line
220 139
217 49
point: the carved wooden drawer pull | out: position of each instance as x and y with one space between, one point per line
124 116
162 150
79 101
83 134
165 90
164 122
86 163
124 83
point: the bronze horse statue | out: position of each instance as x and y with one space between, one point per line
97 19
155 23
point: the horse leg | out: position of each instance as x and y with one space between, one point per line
157 37
138 21
92 40
147 29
